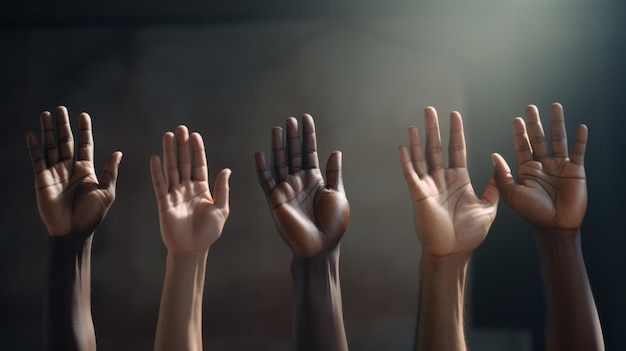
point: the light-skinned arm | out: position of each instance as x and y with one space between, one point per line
191 220
450 222
551 194
72 201
311 216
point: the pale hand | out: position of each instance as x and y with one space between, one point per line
189 217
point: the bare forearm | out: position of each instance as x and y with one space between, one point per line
317 309
440 320
68 324
572 322
180 315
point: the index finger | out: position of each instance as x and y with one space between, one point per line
456 145
434 154
199 170
85 138
557 131
309 143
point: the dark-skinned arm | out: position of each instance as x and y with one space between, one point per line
311 215
551 194
72 202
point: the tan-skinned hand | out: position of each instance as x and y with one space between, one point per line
449 218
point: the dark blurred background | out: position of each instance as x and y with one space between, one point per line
364 70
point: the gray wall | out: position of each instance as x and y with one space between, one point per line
365 72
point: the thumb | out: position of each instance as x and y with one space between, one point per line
502 176
108 178
491 193
334 176
222 190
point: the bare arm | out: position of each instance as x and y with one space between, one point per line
72 202
551 194
191 220
311 216
450 222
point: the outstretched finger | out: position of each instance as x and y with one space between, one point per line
169 160
456 146
279 156
434 154
410 175
221 190
523 150
334 175
265 176
108 178
64 133
158 180
580 144
199 166
536 136
293 146
49 139
39 163
85 138
417 153
558 134
184 155
309 143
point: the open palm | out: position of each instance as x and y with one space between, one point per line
189 217
551 191
70 198
449 218
311 215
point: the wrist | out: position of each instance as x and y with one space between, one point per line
554 233
324 258
556 247
444 263
448 270
70 245
194 257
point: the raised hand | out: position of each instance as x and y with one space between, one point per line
449 218
551 194
311 215
72 202
71 199
190 218
551 190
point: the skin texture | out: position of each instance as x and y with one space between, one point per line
72 201
191 220
311 216
551 194
450 222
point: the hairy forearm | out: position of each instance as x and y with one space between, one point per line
68 324
572 322
317 309
440 318
180 315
